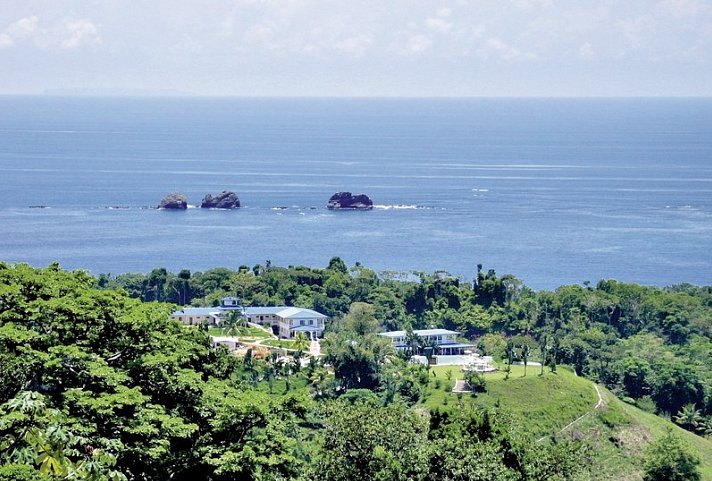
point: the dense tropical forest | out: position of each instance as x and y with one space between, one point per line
98 383
649 344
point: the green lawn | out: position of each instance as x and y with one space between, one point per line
542 404
244 332
281 343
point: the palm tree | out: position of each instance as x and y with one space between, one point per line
430 347
689 417
543 350
232 323
412 341
301 342
553 352
509 351
297 357
525 350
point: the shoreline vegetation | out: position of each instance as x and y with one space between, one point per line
99 384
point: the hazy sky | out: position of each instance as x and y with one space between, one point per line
359 48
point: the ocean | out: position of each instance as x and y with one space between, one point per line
554 191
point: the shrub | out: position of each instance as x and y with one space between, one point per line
613 416
646 404
670 459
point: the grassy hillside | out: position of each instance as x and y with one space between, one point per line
617 432
544 404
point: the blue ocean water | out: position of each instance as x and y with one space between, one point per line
552 190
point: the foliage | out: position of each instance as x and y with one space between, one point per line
476 381
689 418
356 353
115 369
364 441
32 433
123 389
669 459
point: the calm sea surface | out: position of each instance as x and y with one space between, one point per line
553 191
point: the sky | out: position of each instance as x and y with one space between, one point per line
481 48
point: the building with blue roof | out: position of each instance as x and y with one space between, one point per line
197 316
443 341
285 321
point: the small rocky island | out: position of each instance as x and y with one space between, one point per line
174 201
224 200
349 201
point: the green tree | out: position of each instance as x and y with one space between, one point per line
669 459
336 264
509 352
360 319
364 441
689 417
525 350
492 344
357 360
301 342
232 323
31 433
634 374
413 341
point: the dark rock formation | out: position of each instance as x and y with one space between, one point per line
224 200
346 200
175 200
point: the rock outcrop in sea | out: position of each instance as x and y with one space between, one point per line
174 200
347 200
224 200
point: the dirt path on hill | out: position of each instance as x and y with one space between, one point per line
598 405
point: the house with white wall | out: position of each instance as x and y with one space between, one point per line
444 341
288 321
285 321
197 316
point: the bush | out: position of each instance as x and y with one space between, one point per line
21 472
613 416
409 391
476 381
646 404
670 459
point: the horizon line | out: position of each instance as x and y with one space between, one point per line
189 95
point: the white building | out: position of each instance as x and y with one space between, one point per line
285 321
288 321
444 340
197 316
229 342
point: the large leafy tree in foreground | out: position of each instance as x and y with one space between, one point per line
364 441
125 376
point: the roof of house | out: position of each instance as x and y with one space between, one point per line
284 312
196 311
300 313
421 333
256 311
